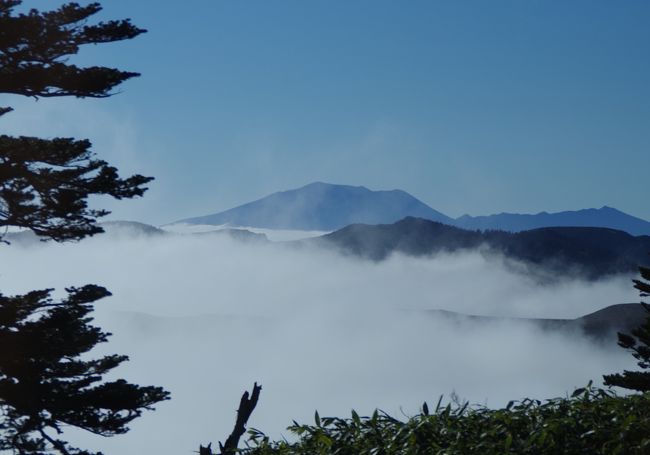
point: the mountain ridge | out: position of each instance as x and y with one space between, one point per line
323 206
605 217
600 325
588 252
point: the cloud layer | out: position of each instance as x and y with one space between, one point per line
205 317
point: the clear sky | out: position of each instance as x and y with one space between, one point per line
472 106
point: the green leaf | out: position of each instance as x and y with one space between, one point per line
577 392
355 418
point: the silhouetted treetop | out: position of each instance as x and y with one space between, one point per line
45 183
34 47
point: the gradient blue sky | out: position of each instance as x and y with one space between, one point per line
472 106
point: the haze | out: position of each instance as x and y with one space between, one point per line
206 316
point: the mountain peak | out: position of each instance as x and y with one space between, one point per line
327 186
324 207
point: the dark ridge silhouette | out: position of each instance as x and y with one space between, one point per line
585 252
131 227
411 236
601 325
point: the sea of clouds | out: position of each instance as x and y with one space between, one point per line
205 316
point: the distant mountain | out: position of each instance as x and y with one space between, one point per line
326 207
605 217
137 230
111 228
588 252
600 325
130 228
323 207
134 229
242 235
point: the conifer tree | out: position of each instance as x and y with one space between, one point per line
45 383
45 183
638 343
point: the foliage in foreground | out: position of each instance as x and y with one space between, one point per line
638 343
591 421
46 385
47 380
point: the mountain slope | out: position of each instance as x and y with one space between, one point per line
589 252
599 325
325 207
605 217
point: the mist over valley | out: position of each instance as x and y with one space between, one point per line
207 314
414 228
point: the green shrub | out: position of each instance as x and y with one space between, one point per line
591 421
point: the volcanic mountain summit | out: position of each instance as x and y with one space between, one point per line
326 207
323 207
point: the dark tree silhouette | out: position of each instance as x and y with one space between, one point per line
45 183
246 406
34 47
45 382
638 343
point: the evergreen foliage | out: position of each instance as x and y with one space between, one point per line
639 344
591 421
47 380
34 47
45 183
44 384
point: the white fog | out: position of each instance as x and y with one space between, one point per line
206 316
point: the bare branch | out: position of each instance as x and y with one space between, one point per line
246 406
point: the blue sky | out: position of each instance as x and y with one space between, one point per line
471 106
